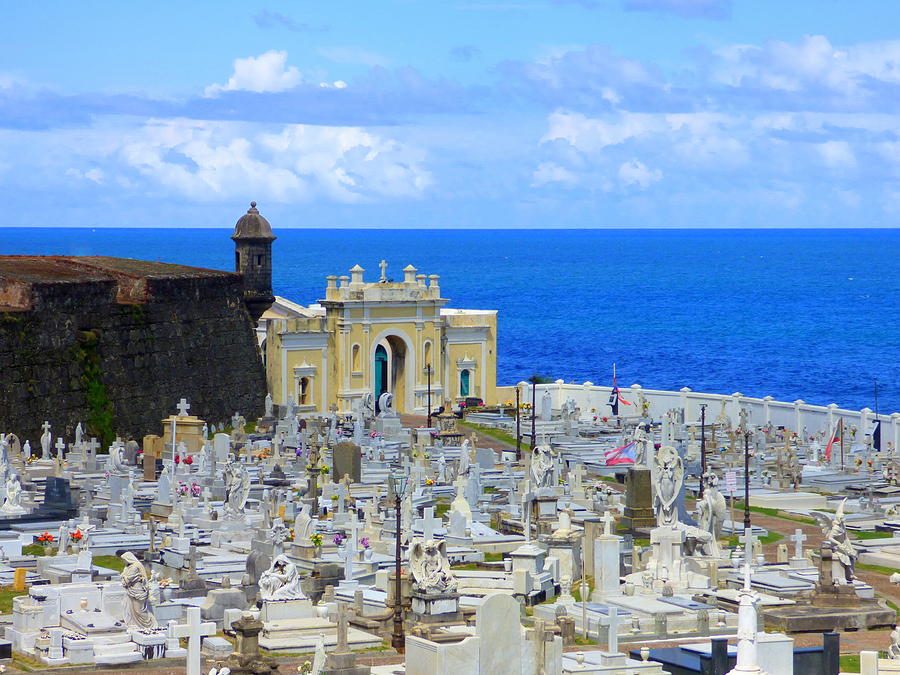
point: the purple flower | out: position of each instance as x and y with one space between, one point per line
339 539
299 452
364 542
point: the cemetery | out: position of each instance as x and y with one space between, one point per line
387 519
629 539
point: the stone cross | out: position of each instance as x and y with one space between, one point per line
46 426
183 407
343 622
526 506
60 447
798 538
428 523
608 520
611 621
747 539
194 631
383 265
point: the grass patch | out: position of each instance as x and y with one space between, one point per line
893 606
6 598
441 507
576 590
849 663
775 513
881 569
496 434
582 641
110 562
493 557
34 549
873 535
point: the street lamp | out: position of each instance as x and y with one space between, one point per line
518 427
398 639
746 478
702 445
428 376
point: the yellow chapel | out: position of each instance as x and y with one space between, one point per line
375 337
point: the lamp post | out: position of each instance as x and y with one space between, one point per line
746 479
702 445
534 381
428 376
398 639
518 427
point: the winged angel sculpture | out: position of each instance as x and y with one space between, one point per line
835 531
430 567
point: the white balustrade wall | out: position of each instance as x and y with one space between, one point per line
793 416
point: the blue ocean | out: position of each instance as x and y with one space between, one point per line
811 314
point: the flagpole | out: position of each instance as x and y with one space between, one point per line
841 428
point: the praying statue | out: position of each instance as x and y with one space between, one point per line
281 581
13 503
137 587
116 461
269 406
304 526
430 567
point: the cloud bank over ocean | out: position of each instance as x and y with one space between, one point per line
799 132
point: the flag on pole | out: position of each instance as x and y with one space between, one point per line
623 455
835 438
615 398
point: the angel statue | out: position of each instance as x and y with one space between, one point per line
281 581
894 649
711 509
542 466
430 567
669 480
836 536
237 489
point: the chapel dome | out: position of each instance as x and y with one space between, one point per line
253 226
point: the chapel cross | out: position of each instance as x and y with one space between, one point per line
383 265
194 631
183 407
798 538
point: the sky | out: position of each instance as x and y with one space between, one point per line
452 113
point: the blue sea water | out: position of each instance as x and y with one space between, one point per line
811 314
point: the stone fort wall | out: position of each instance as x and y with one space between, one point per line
72 351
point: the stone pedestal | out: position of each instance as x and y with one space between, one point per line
187 428
638 514
389 427
667 561
431 608
280 610
544 512
606 566
568 551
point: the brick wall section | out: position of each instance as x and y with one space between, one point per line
190 337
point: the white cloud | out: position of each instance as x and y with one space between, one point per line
260 74
812 62
96 175
634 172
592 135
837 154
207 161
548 172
